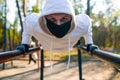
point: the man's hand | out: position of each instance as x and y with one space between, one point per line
91 48
23 47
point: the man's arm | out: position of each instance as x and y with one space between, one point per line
26 36
88 35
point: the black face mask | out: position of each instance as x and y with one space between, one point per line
58 30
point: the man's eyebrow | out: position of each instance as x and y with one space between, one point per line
66 16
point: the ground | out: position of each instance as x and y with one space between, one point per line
91 70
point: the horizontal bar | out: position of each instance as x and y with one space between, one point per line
9 55
112 58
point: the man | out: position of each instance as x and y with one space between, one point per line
57 28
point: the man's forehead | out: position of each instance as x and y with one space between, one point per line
58 14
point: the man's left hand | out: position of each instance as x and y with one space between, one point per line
91 48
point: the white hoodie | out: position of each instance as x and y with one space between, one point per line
35 25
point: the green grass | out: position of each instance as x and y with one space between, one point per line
118 52
64 56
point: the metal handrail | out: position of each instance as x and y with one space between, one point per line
9 55
112 58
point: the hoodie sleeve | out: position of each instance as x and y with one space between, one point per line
84 23
88 35
26 36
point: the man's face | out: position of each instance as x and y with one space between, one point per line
59 18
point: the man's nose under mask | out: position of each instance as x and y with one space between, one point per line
58 31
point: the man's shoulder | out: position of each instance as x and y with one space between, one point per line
31 19
83 20
83 16
32 16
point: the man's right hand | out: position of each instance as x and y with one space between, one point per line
23 47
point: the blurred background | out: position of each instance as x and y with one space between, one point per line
105 15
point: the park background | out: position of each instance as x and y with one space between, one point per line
105 15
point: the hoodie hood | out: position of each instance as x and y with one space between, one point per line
56 6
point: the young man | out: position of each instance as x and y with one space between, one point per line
57 28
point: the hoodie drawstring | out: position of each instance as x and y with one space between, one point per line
51 46
68 65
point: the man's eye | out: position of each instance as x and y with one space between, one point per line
53 20
64 19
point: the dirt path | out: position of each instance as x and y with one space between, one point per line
92 70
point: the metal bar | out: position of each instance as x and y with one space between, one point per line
38 54
80 64
42 64
19 14
88 7
10 55
112 58
4 46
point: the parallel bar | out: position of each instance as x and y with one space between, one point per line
42 65
9 55
80 64
112 58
